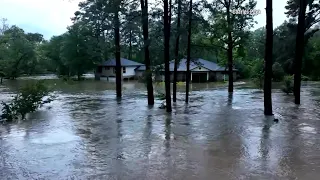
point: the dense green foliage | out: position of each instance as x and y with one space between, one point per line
28 99
287 84
90 40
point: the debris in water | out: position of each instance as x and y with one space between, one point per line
120 156
163 105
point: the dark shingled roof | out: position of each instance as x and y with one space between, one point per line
124 62
212 66
141 68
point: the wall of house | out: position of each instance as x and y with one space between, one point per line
212 76
110 72
107 72
130 71
181 77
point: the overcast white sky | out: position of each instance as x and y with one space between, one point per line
51 17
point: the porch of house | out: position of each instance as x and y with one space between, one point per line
197 76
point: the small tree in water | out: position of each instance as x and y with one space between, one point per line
29 99
257 74
287 85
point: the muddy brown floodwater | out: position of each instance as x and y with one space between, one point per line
87 134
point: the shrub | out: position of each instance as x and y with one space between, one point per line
147 75
305 78
258 82
278 72
160 96
257 74
29 99
288 84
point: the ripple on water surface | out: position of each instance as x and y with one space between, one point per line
89 134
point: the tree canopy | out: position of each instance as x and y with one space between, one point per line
90 39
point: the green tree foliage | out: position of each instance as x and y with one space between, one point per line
16 51
312 56
287 85
77 54
278 72
90 40
312 13
257 73
230 29
52 51
28 99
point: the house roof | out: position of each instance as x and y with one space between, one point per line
124 62
141 68
211 66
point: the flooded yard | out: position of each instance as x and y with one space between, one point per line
87 134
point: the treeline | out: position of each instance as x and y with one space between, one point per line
152 34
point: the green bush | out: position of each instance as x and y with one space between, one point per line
147 75
257 74
160 96
287 84
278 72
305 78
244 69
258 81
29 99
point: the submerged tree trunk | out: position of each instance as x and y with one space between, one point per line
117 53
188 54
144 17
268 60
166 55
230 47
299 50
176 59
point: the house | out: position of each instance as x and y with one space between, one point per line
201 71
108 68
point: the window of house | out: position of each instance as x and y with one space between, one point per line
107 68
114 70
124 70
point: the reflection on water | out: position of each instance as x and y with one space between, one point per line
89 134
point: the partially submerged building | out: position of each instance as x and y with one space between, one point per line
128 67
201 70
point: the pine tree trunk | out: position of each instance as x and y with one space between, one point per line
299 50
176 61
230 47
130 45
166 55
117 53
268 60
144 8
188 53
